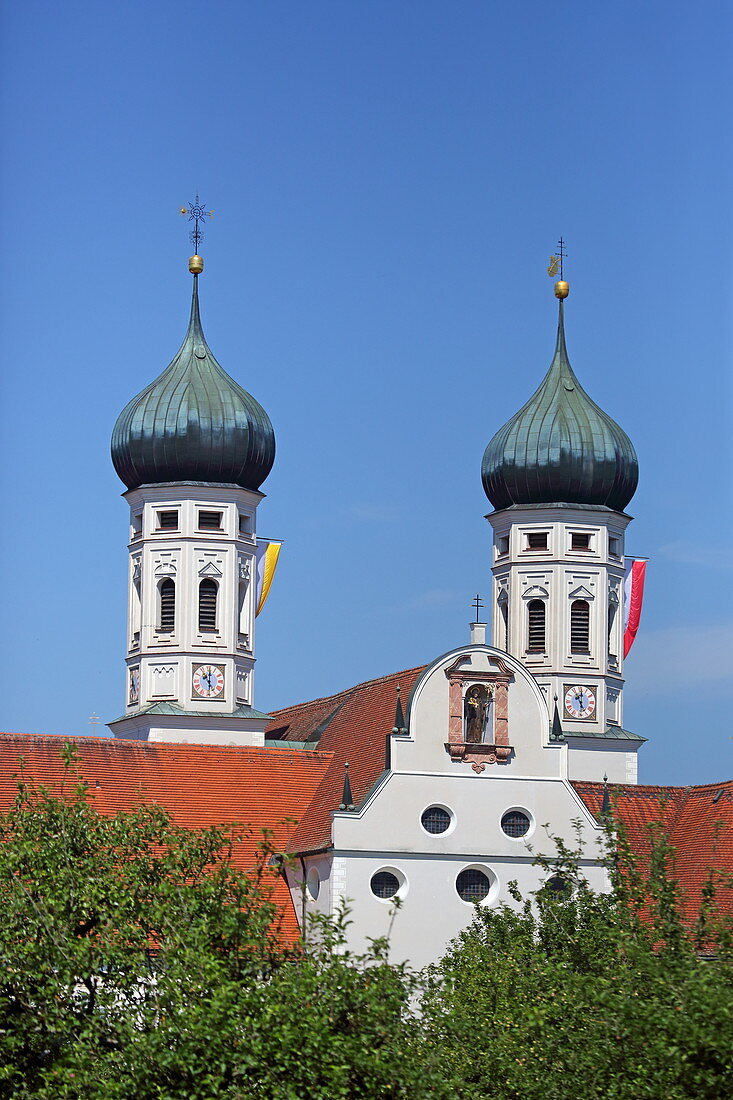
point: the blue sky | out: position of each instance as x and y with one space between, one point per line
389 179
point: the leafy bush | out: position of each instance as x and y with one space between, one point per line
575 994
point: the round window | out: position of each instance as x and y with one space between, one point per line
473 885
384 884
515 823
435 819
558 885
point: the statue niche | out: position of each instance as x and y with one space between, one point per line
476 707
478 712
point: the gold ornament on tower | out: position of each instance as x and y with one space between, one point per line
196 265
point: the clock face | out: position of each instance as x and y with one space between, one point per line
208 681
580 702
134 694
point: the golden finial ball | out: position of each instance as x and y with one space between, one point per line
562 289
195 265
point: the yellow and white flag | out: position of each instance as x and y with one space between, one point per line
266 555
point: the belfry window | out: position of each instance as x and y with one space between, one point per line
209 521
168 521
536 626
537 540
208 590
167 620
580 626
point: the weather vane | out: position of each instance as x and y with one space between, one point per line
557 261
197 212
556 265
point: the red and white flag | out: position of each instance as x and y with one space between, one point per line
634 574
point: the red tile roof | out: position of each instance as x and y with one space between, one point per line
199 785
354 726
698 822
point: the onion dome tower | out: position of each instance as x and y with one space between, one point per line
193 423
193 449
560 447
559 474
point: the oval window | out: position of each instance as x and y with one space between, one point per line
313 884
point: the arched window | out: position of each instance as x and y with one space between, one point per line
167 621
536 626
580 626
207 606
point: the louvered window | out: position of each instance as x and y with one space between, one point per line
207 606
167 606
579 541
168 521
579 626
210 521
537 540
504 608
536 617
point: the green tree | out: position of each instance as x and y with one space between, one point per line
135 961
576 994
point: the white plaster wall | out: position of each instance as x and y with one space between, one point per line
431 913
616 760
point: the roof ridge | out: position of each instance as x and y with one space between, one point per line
644 787
347 691
123 744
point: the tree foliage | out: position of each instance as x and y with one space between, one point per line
136 961
583 995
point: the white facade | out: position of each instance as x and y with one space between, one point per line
476 788
191 615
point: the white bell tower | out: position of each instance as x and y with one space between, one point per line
557 605
191 615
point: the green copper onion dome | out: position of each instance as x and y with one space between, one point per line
560 447
193 423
